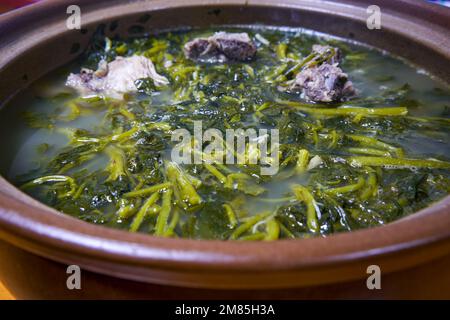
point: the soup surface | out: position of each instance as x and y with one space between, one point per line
362 158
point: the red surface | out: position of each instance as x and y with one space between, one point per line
11 4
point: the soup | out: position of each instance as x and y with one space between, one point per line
250 133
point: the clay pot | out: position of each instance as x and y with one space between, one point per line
37 243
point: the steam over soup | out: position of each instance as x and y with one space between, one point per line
249 134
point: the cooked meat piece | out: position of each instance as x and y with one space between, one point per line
325 83
115 78
221 47
202 49
321 79
328 54
235 46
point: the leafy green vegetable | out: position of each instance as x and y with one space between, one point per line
343 166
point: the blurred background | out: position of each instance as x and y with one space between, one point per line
6 5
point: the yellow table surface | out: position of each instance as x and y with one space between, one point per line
4 294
